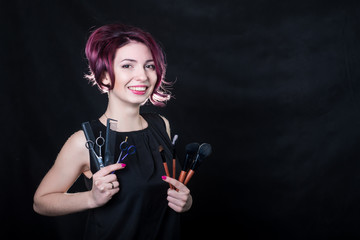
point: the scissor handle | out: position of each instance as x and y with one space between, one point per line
102 141
123 146
131 150
89 144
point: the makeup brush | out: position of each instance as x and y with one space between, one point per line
174 155
204 151
191 149
162 153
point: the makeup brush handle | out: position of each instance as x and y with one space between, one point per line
188 176
166 169
167 172
182 176
174 168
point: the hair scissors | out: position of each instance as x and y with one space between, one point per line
128 150
100 141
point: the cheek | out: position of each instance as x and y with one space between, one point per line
121 78
153 79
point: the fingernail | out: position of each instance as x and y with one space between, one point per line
123 165
163 177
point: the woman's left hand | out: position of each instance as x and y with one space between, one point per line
181 200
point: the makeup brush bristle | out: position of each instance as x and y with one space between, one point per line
205 150
192 148
174 139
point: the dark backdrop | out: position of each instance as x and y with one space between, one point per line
272 85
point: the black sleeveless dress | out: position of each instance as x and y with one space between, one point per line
139 210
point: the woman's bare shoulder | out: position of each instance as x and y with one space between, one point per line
167 125
74 149
77 140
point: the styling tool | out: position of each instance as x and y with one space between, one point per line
174 155
191 149
125 148
96 159
203 152
162 153
100 141
111 126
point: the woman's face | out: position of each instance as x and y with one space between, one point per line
135 74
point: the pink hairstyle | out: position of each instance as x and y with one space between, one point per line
101 48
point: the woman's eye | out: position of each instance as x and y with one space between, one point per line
150 66
126 66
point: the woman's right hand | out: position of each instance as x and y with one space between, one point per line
105 185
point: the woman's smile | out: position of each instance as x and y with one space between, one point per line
138 90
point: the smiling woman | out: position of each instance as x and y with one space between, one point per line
134 72
123 203
100 55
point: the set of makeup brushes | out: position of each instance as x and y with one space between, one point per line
195 155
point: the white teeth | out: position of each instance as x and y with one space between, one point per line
137 88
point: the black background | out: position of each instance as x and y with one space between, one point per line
272 85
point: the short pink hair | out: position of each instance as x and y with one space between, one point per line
101 48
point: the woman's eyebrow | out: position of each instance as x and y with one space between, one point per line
133 60
128 59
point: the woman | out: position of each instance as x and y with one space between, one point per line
128 200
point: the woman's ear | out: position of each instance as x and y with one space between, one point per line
106 81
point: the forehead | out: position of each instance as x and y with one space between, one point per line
133 50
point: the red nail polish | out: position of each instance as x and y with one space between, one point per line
163 177
123 165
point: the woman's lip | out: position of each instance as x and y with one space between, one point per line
138 90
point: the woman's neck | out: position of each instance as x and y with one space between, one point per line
128 117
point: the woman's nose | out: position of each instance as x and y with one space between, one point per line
141 74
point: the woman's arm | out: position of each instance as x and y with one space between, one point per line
51 198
